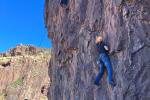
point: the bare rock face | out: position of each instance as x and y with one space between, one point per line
24 73
125 26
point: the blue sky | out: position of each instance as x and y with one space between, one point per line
22 21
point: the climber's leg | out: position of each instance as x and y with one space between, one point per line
107 63
100 74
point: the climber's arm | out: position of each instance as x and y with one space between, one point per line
106 47
97 43
97 46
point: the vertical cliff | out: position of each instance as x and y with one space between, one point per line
125 25
23 73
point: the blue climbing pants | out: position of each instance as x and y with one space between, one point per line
104 63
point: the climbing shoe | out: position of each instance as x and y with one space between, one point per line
112 84
96 83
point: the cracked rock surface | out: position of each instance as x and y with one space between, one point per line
125 26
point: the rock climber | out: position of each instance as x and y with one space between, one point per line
63 2
103 61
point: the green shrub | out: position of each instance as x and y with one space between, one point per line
17 82
2 94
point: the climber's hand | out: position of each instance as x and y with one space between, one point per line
98 39
106 48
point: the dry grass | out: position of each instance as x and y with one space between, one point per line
43 98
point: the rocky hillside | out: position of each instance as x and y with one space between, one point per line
125 26
24 73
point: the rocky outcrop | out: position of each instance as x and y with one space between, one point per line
125 26
24 72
